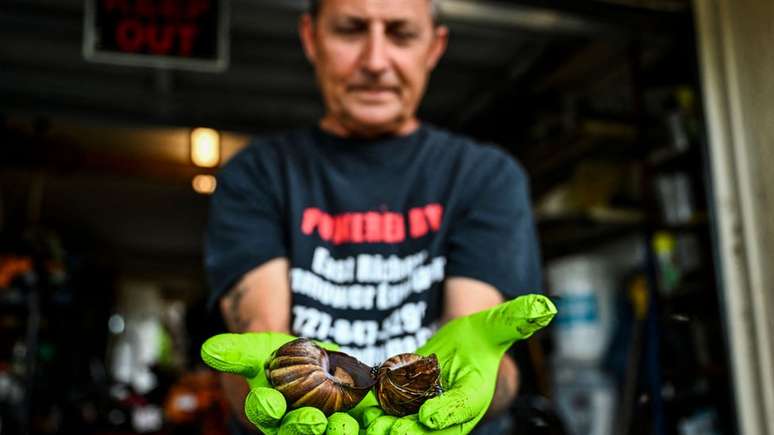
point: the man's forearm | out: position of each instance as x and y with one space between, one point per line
260 301
231 309
235 387
506 388
256 304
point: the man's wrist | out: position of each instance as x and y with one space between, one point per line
235 390
506 388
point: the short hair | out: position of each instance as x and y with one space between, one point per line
435 9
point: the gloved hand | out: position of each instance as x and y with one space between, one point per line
245 354
469 350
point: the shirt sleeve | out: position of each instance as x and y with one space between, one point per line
494 239
245 227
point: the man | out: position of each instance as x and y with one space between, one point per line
371 230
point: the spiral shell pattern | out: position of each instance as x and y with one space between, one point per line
308 375
406 381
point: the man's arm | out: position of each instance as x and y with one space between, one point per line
260 302
465 296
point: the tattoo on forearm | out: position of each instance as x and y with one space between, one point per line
231 313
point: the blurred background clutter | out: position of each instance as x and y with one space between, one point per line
108 152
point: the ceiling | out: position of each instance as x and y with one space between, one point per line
268 83
110 141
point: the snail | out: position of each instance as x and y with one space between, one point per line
308 375
404 382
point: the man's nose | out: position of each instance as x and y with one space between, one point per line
375 56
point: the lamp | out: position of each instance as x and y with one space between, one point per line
205 147
204 184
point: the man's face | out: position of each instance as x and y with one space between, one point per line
373 59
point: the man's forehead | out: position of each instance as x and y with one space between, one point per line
408 10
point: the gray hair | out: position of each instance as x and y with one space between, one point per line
435 8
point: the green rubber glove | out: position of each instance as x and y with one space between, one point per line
469 350
265 407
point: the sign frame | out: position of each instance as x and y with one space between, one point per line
219 64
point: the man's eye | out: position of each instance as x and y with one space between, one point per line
349 30
404 37
401 33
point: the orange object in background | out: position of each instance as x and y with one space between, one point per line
197 398
11 267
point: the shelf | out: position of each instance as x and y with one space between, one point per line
688 291
700 223
669 159
572 234
594 138
581 232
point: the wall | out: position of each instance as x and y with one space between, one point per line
735 43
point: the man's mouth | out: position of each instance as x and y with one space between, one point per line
374 90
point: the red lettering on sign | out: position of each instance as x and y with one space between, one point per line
187 36
197 7
158 27
160 42
145 8
129 35
132 36
170 8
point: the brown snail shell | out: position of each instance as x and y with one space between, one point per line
404 382
308 375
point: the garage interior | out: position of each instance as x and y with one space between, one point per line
600 102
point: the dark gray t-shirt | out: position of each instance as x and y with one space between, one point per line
371 229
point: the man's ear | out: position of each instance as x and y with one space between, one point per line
306 33
440 41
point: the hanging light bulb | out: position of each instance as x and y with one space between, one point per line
204 184
205 147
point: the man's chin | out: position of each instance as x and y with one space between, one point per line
376 123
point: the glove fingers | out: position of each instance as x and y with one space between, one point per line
264 407
410 425
242 354
381 425
517 319
342 423
368 402
304 421
464 401
371 414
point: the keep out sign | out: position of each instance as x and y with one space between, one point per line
157 32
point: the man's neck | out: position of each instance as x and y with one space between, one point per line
336 128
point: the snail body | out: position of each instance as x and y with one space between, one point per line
308 375
404 382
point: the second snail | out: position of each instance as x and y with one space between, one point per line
308 375
404 382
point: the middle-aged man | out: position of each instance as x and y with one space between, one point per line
372 229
